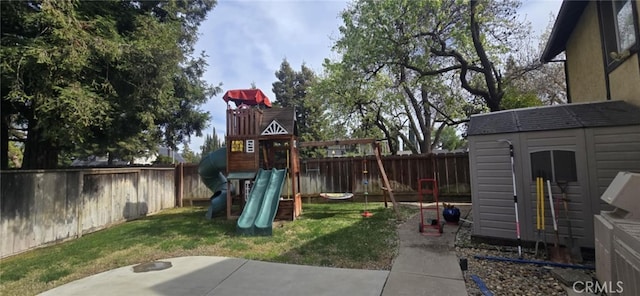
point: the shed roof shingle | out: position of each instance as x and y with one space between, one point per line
599 114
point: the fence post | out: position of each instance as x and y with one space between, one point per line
179 171
80 205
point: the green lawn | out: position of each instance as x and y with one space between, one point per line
327 234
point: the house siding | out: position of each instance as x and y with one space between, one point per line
624 81
585 68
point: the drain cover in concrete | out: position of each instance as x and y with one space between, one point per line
152 266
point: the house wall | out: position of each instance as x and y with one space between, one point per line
624 81
586 73
585 68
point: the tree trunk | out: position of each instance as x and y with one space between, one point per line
425 145
491 77
436 136
391 139
4 145
39 153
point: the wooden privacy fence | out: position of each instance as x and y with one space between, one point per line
190 188
451 170
45 206
39 207
344 174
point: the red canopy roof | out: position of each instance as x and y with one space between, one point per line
249 97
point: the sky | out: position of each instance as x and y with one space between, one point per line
246 41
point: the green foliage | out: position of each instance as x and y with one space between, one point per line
163 159
211 143
547 82
514 99
292 90
357 107
414 67
98 77
15 155
190 156
450 140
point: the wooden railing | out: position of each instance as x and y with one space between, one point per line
243 122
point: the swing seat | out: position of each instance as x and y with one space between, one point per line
336 196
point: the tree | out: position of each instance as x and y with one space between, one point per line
519 98
436 37
189 156
44 49
211 143
376 44
15 155
547 82
424 65
109 77
358 107
292 90
450 140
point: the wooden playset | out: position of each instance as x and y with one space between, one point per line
261 137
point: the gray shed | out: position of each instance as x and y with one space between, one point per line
585 144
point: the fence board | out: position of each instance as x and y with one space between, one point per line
45 206
344 174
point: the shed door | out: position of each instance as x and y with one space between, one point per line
559 157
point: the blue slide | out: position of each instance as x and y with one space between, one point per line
211 170
260 210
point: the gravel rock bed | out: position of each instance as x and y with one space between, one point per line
504 278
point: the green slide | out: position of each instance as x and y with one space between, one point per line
248 216
210 170
260 210
269 207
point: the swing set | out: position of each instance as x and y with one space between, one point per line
348 195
